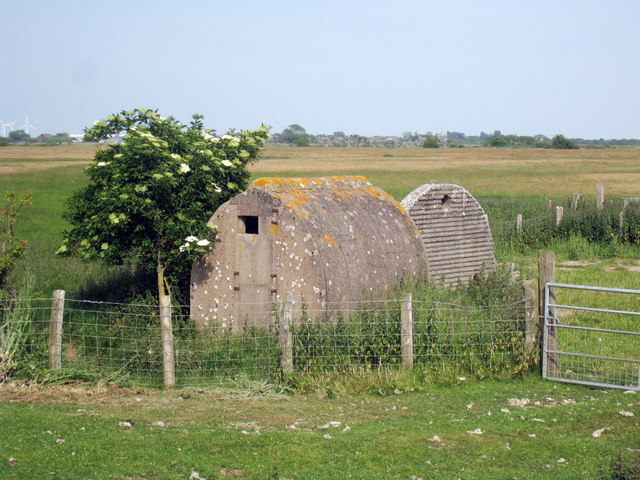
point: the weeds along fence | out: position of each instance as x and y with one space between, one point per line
123 341
606 225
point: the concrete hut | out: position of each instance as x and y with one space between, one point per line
326 241
455 231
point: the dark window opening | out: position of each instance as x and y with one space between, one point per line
445 200
250 223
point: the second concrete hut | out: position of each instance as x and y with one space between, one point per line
455 230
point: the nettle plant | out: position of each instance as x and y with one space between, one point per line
149 198
11 247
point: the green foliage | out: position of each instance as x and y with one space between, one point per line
15 330
585 232
561 142
149 199
477 329
631 224
497 141
17 136
4 141
11 247
431 142
295 135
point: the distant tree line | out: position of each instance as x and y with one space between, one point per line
297 135
20 136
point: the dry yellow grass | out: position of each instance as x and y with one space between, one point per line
27 159
483 171
554 173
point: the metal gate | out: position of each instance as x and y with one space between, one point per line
592 341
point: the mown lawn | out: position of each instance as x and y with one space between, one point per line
494 429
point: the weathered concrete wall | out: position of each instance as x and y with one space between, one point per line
455 231
324 240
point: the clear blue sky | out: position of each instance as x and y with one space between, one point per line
368 67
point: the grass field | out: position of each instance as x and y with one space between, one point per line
554 174
524 429
255 431
491 175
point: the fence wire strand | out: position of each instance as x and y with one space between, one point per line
125 339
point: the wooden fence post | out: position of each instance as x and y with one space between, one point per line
531 316
621 225
286 341
519 224
166 331
547 273
55 330
600 196
559 214
406 332
575 201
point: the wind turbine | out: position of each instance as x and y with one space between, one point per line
4 127
26 125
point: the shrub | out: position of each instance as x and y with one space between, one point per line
561 142
431 142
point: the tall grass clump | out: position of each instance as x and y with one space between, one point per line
585 232
18 330
478 329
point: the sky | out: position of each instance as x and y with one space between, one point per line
364 67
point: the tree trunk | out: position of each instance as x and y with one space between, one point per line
161 280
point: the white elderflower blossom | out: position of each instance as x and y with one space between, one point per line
203 242
191 238
175 156
226 163
184 168
208 137
102 164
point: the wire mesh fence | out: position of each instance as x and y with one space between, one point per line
124 340
506 231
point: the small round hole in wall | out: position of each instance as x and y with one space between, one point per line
446 200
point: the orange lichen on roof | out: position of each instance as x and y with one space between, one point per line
274 230
330 240
295 192
278 183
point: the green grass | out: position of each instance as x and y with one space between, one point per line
41 224
204 429
389 436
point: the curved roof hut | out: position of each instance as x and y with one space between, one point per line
323 240
455 231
